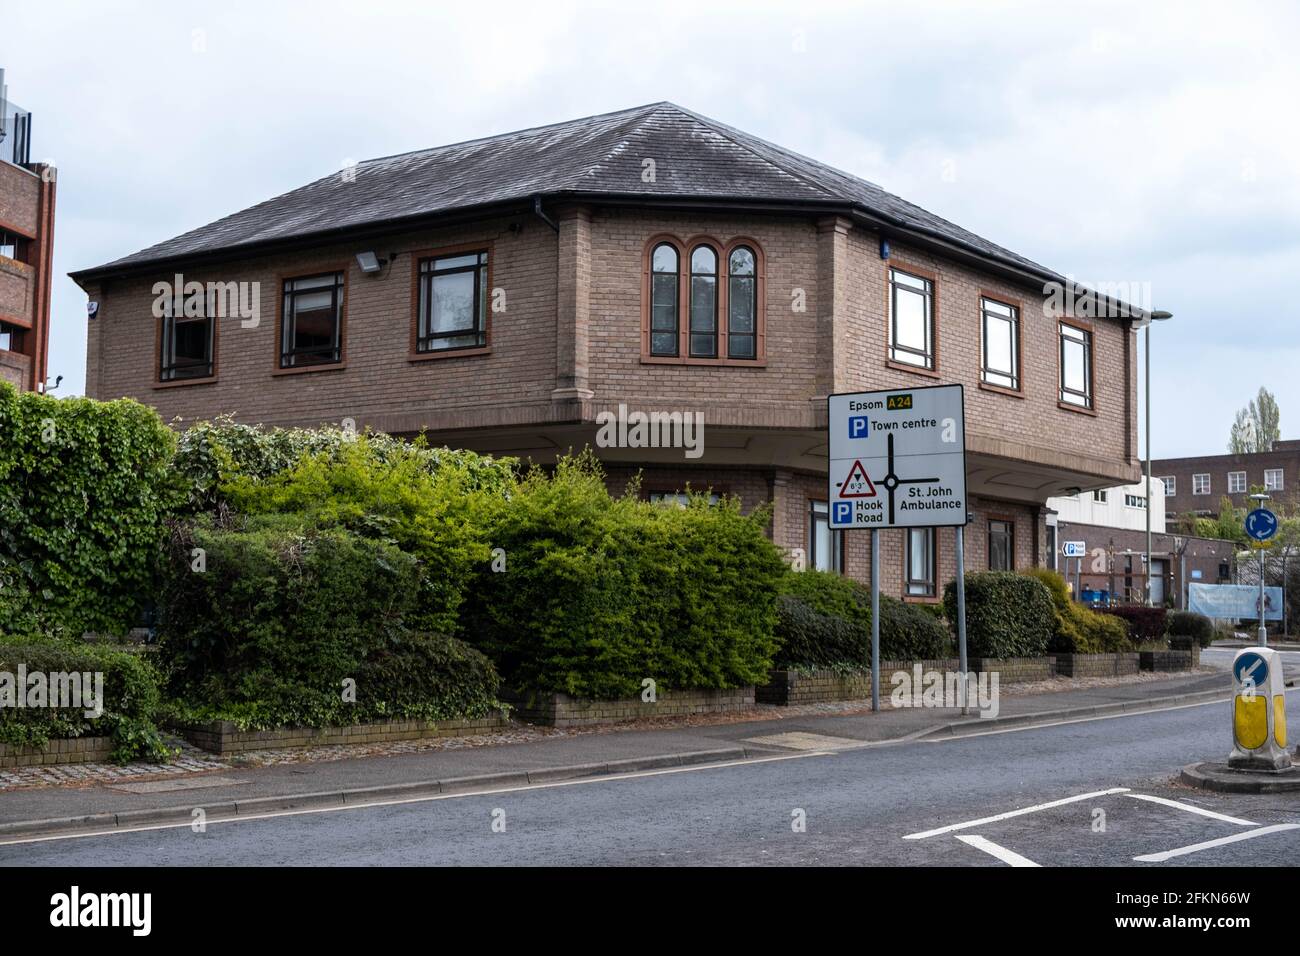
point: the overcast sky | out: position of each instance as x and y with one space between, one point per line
1115 142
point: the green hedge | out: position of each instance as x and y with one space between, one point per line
601 593
825 621
84 489
1077 629
281 617
1007 614
1144 623
1189 624
131 697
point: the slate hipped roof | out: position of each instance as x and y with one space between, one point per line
696 159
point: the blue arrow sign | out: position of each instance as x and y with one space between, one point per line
1261 524
1252 667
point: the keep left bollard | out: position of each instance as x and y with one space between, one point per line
1258 711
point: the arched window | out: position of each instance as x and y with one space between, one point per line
704 302
663 300
742 304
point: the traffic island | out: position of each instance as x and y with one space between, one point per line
1225 779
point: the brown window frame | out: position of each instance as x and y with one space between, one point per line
341 270
1019 354
837 537
933 595
160 339
418 259
917 272
1090 332
722 301
1010 522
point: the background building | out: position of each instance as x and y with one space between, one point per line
1195 485
26 250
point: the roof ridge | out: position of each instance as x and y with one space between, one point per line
511 133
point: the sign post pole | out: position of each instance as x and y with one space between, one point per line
1263 631
961 615
1261 524
875 619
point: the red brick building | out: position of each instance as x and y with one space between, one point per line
26 251
503 293
1196 485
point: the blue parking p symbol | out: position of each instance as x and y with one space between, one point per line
843 512
858 426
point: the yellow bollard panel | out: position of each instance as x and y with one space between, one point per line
1258 711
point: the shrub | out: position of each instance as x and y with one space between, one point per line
212 454
1077 629
600 593
832 626
1190 624
811 639
1007 614
281 616
130 702
1144 623
366 486
84 489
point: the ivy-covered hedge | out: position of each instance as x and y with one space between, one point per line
599 593
825 621
130 697
84 489
269 624
1007 614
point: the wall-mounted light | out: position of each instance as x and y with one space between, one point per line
369 263
884 248
92 309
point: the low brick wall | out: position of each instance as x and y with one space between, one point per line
789 687
1175 659
561 710
73 750
222 736
1097 665
1015 670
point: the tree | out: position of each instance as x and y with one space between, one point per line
1257 426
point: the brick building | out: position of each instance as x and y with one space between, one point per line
1196 485
26 251
503 293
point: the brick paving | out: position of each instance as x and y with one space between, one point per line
191 760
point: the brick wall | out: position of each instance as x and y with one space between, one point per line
222 737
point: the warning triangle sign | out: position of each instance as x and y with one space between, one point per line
857 484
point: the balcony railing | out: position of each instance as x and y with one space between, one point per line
15 134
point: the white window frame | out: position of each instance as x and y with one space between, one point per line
1274 480
1201 484
1171 485
1237 483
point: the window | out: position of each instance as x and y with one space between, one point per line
704 302
1076 366
825 546
1236 482
663 300
1135 501
920 562
11 337
453 303
1272 479
1201 484
13 246
911 319
742 304
187 347
1000 329
311 321
1101 495
1171 485
1002 545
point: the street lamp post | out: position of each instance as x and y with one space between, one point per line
1151 317
1259 498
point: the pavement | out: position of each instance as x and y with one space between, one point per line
1092 791
230 790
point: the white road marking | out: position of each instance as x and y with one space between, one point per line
1008 857
607 778
1211 844
1191 809
1014 813
1075 720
